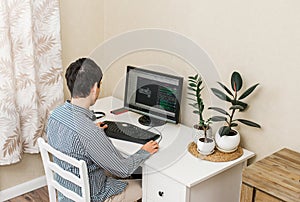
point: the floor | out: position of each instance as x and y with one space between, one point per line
39 195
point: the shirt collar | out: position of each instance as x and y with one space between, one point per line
76 108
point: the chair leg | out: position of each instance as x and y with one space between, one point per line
52 194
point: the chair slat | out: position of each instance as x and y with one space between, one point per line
51 167
68 193
62 156
65 174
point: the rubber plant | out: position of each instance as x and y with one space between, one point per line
195 88
237 105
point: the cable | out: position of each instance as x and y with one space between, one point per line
157 131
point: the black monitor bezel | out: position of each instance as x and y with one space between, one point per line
143 111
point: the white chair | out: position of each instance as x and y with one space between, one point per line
51 168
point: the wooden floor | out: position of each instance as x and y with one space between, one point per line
39 195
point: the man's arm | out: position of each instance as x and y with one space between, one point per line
103 152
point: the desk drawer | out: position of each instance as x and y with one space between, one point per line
158 187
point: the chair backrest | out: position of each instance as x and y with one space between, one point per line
51 168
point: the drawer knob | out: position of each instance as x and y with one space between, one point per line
161 193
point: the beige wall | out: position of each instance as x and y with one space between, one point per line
260 39
29 168
81 31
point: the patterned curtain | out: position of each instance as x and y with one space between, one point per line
31 81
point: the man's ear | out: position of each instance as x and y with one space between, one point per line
94 88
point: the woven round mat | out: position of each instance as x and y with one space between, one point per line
216 156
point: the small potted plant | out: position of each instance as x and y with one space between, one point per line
203 133
227 139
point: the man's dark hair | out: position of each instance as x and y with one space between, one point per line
81 75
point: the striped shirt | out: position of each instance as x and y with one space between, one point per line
72 131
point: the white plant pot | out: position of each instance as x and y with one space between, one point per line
227 144
206 148
200 133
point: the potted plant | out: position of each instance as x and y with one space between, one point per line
227 139
203 133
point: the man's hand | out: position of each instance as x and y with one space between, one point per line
101 125
151 147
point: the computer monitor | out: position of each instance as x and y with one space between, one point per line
153 94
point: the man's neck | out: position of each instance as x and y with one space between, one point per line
81 102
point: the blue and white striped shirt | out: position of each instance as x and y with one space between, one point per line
72 131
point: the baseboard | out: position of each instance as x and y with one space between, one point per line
22 188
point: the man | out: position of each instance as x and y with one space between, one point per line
71 130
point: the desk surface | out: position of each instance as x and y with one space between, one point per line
277 174
172 159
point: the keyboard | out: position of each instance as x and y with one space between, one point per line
128 132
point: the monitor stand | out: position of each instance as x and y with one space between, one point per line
150 121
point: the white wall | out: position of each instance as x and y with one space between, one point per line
260 39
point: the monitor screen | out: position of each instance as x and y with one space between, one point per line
155 95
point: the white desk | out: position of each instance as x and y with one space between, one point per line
173 174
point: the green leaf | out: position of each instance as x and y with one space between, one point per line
236 102
192 85
219 110
194 105
218 118
241 108
221 95
225 88
249 123
196 76
192 99
196 111
225 130
248 91
192 81
233 124
192 89
236 81
201 89
191 77
193 94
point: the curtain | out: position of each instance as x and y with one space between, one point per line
31 83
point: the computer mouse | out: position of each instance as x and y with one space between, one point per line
102 124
